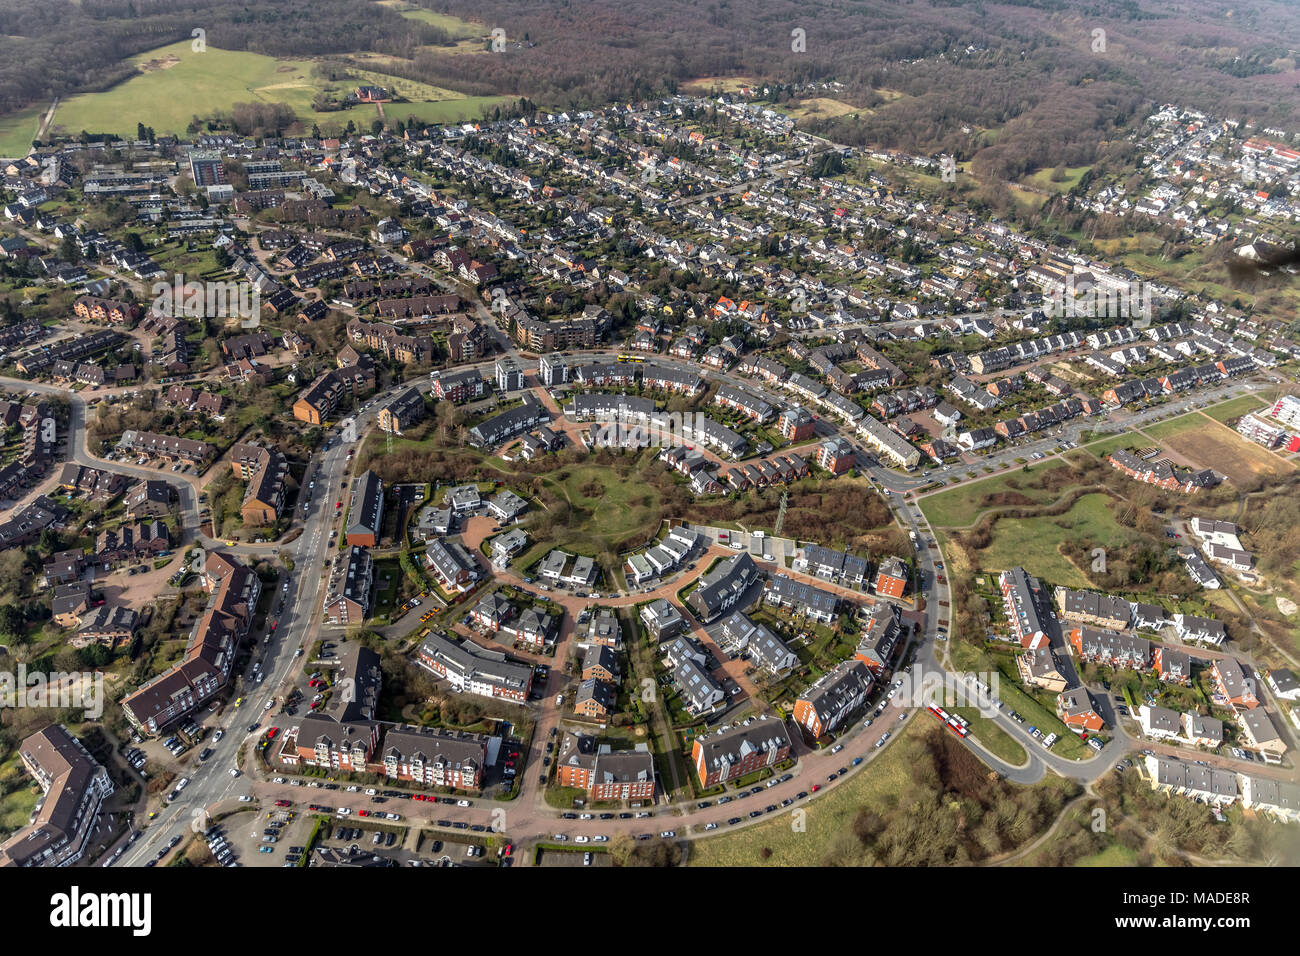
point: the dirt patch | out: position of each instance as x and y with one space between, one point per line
1223 450
159 63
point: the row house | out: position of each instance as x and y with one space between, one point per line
1161 473
205 667
95 484
1110 648
1089 607
452 565
803 599
746 403
165 446
1201 630
95 309
1208 785
738 634
1233 684
144 539
506 425
1025 604
837 566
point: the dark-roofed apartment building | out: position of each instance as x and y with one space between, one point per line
719 590
149 499
74 786
662 620
475 670
402 412
1024 603
827 704
801 598
342 735
366 510
165 446
1089 607
738 633
347 598
736 751
603 773
508 424
265 471
435 758
881 637
837 566
205 667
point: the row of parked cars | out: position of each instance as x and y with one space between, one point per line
219 847
171 844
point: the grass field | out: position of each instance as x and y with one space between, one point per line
992 737
960 506
1043 179
454 27
1105 446
17 130
881 784
176 83
820 106
16 809
1035 543
881 781
1235 407
1175 426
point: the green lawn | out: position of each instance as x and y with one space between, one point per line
1175 426
882 784
1043 179
1105 446
1036 543
17 130
176 83
992 737
960 506
828 816
454 27
1235 407
16 809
